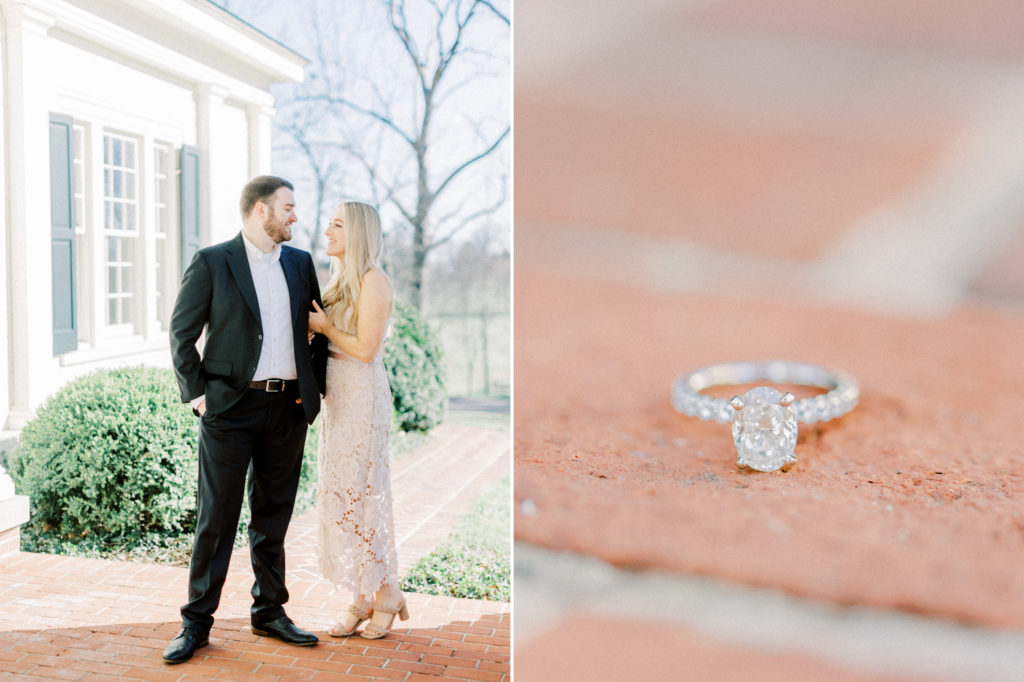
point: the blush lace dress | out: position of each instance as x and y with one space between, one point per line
356 534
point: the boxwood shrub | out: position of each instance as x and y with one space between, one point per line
110 454
415 366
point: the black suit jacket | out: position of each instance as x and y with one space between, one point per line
217 293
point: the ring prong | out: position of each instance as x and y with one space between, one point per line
737 403
787 399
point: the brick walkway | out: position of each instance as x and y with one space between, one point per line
85 619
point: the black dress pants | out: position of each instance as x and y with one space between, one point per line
263 434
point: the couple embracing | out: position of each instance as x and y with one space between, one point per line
273 347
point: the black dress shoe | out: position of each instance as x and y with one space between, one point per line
284 629
184 645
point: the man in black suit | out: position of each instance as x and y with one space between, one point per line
255 389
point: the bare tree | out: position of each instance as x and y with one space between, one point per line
438 59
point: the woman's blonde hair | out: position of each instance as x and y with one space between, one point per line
363 245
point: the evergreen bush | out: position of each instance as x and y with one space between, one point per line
111 454
415 366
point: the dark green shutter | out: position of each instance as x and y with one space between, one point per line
62 235
189 196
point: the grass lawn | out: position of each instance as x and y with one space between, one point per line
475 560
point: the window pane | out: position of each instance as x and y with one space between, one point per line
112 316
112 287
128 159
126 280
116 156
112 251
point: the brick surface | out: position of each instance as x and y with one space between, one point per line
70 618
908 502
607 650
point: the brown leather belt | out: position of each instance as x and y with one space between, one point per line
271 385
335 354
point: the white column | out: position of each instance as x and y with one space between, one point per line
261 121
218 219
5 375
28 93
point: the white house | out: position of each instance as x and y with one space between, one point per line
130 127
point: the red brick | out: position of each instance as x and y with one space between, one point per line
327 666
380 643
424 668
97 667
239 676
130 661
319 653
220 653
468 629
494 667
267 658
234 664
195 667
266 646
49 661
355 659
468 674
432 650
158 675
38 648
378 672
411 639
451 660
44 672
397 654
283 670
484 655
481 639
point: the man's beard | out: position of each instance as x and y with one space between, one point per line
279 231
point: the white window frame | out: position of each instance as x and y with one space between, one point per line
165 230
123 197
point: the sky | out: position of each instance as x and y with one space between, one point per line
364 54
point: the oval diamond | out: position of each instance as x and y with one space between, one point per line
764 431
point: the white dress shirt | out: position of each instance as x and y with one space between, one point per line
277 357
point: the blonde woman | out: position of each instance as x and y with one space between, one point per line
356 531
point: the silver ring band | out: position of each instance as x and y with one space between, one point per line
765 434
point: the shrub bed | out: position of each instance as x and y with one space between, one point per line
475 561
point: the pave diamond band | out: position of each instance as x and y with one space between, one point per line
764 420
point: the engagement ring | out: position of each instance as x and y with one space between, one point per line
763 419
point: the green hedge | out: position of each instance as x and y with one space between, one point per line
415 366
113 454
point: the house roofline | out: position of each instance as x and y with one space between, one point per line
217 9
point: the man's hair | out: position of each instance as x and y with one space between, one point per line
260 188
